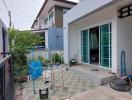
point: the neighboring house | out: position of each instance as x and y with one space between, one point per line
50 20
6 71
99 33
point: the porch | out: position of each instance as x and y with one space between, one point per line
101 36
99 75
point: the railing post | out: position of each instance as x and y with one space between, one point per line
12 79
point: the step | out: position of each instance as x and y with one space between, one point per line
101 77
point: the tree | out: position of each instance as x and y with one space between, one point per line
20 43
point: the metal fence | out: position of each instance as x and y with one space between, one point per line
6 79
55 39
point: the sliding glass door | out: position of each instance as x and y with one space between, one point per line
105 45
85 46
103 51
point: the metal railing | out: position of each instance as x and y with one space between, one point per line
6 79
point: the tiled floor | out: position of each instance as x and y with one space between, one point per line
76 87
73 84
103 93
97 74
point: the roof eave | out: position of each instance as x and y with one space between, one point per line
64 1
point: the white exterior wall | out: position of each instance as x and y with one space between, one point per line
104 16
84 7
125 41
75 44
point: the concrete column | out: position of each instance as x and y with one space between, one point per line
114 46
66 44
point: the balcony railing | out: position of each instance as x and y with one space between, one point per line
6 79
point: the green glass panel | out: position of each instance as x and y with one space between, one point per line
84 46
105 43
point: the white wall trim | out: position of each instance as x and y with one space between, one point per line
98 24
92 26
84 7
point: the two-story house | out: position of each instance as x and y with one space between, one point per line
49 22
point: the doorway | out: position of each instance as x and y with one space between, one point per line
94 45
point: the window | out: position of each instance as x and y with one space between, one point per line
46 21
51 16
51 19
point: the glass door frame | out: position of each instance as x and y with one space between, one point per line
110 49
110 45
88 55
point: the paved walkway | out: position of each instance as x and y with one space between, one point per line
103 93
75 88
96 74
73 84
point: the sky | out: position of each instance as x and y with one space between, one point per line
23 12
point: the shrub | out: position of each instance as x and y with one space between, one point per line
57 58
20 42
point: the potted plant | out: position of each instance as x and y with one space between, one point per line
24 76
56 58
20 73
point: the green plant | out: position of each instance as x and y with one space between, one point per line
56 58
20 43
20 73
42 59
48 61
